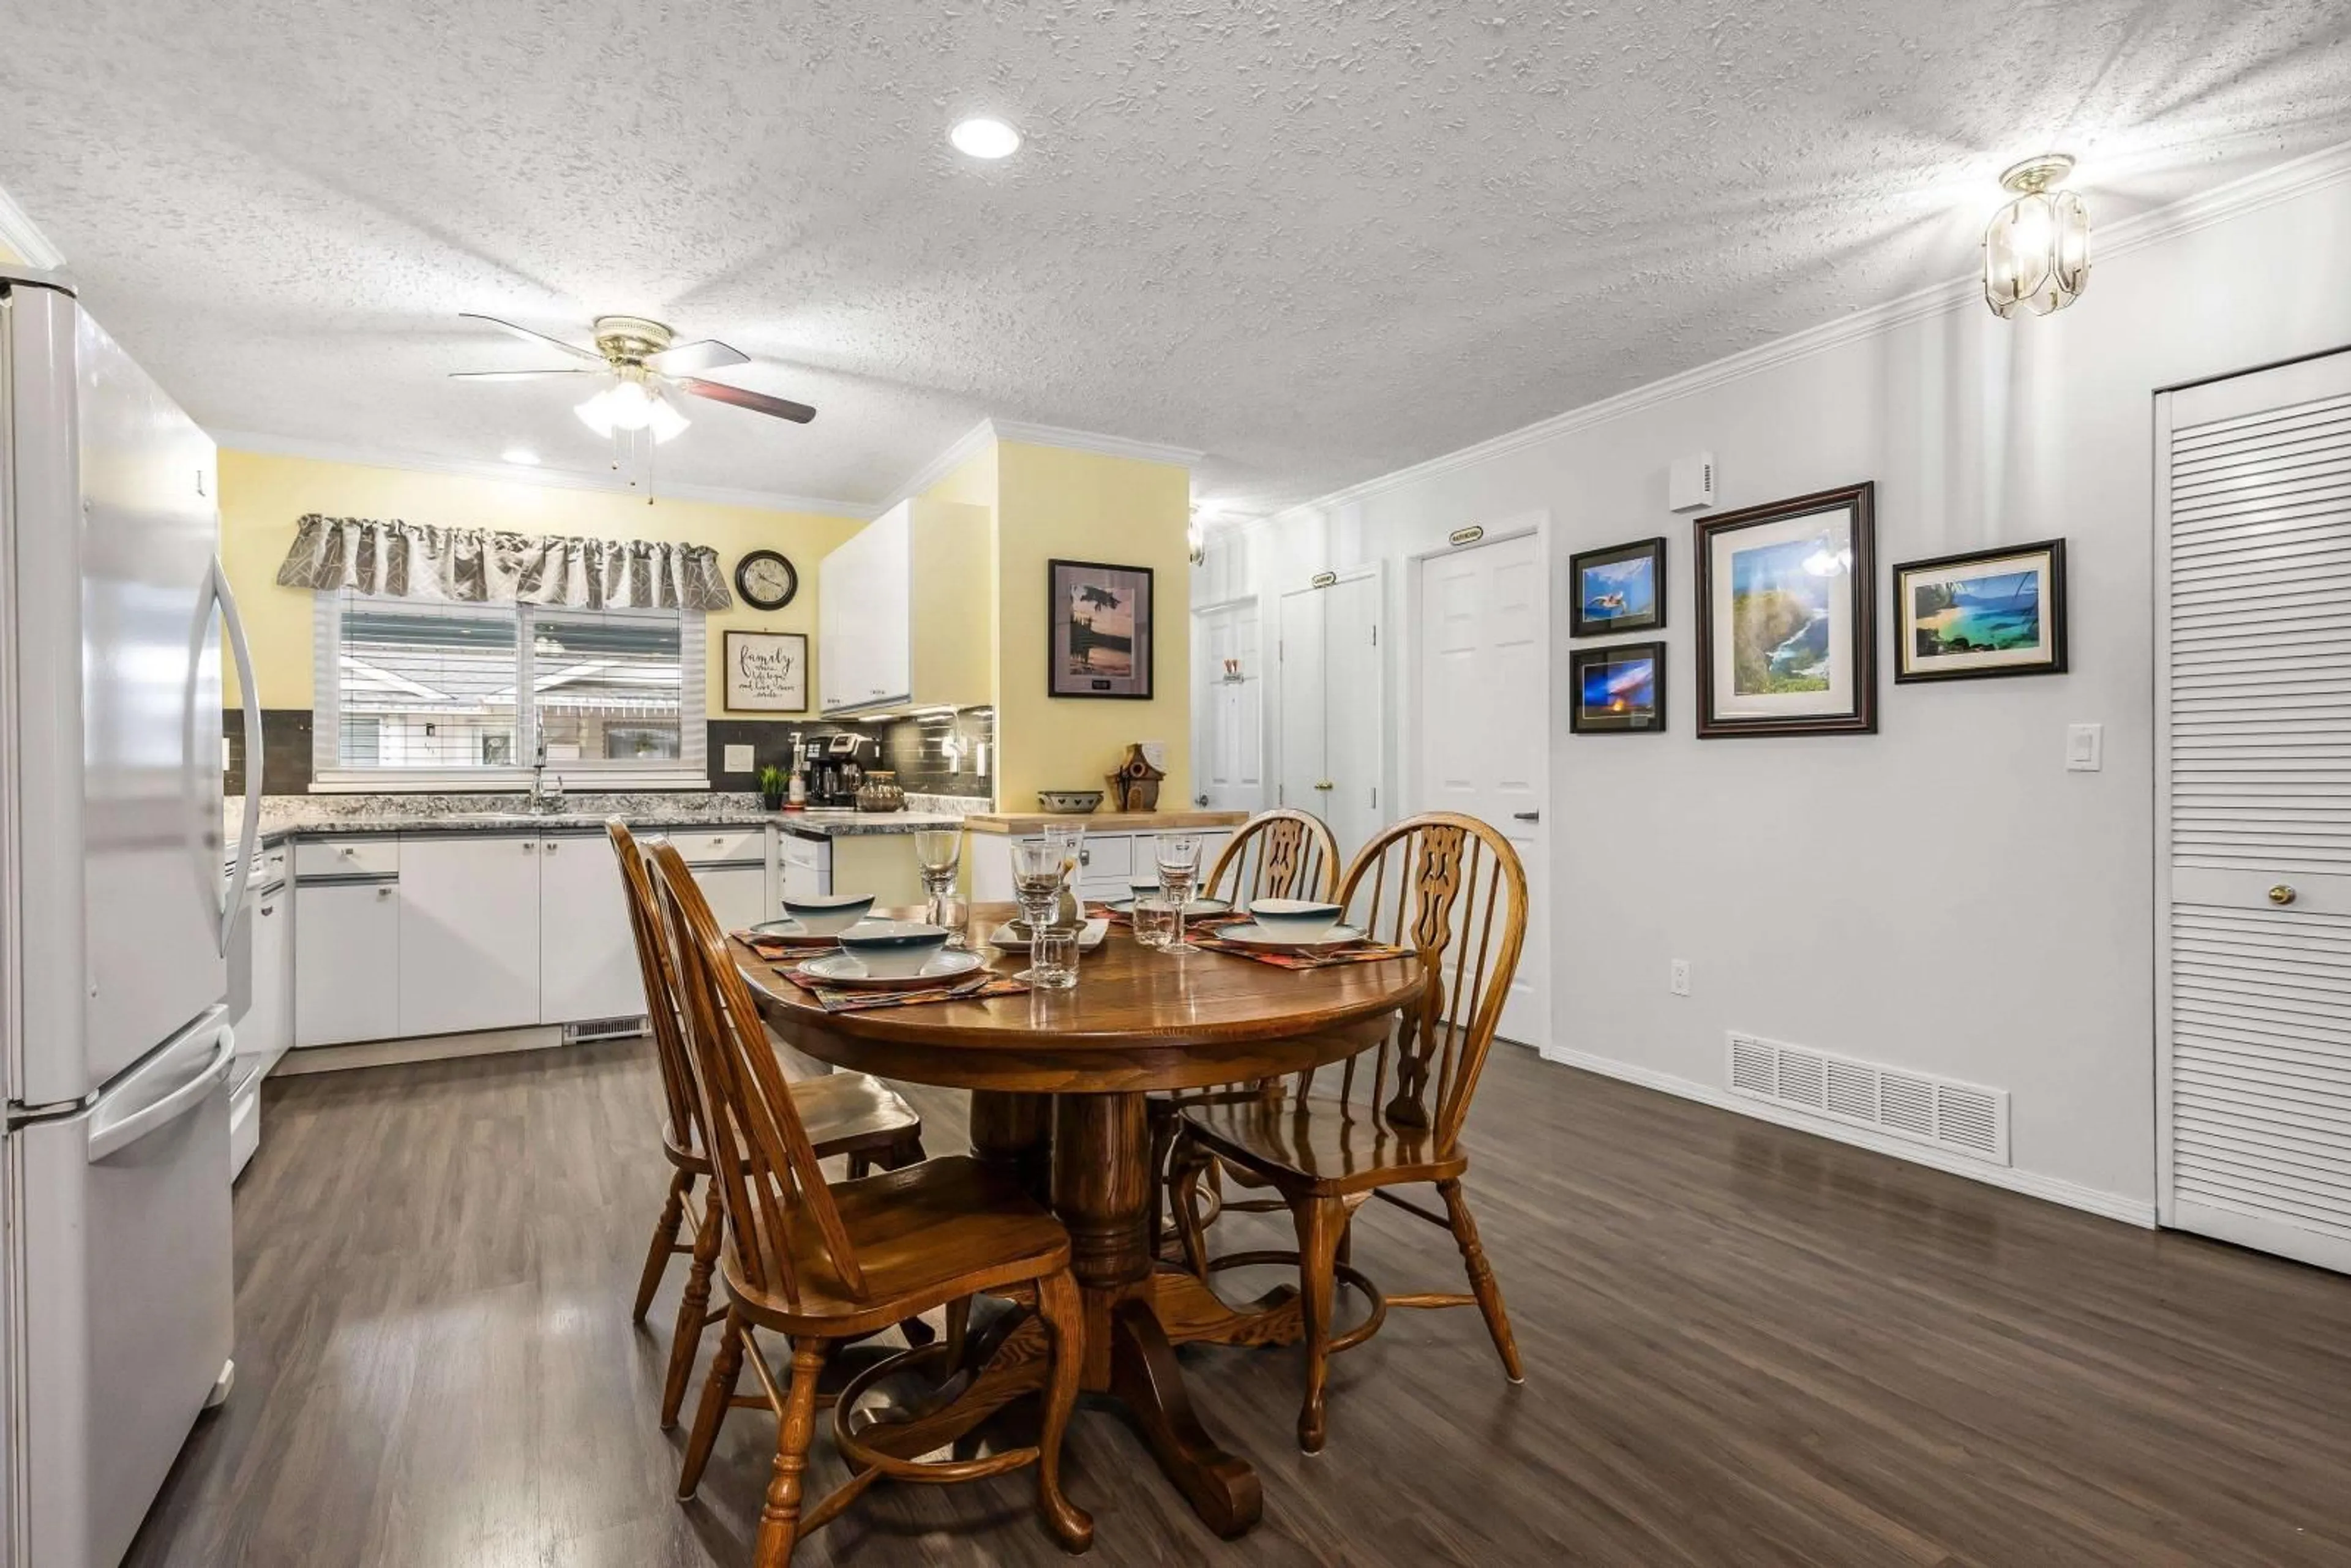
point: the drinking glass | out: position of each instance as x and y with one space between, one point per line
1178 855
1155 921
1036 882
1053 957
938 854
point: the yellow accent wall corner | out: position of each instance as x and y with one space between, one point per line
261 495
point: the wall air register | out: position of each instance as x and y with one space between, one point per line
1965 1118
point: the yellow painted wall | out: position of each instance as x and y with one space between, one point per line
262 496
1055 503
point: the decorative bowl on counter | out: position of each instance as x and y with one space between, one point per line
879 792
1071 802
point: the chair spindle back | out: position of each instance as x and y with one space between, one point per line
760 1156
677 1077
1282 853
1452 888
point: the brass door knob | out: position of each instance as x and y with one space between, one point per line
2282 895
1326 784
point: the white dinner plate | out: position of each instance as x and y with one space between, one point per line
840 970
1249 934
1195 909
789 932
1013 935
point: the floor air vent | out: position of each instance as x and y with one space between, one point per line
1962 1117
603 1028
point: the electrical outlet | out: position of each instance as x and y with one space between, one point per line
739 759
1680 980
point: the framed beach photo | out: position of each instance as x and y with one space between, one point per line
1619 689
1098 632
1988 612
1621 588
766 672
1786 626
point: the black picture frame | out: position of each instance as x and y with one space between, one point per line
1914 664
1837 525
1085 601
1582 718
1580 624
764 672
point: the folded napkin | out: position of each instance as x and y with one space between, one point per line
979 986
1353 953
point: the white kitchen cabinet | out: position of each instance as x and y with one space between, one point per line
807 866
738 895
346 962
897 617
468 933
1108 862
586 949
266 1030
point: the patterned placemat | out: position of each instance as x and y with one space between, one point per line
776 952
1357 953
977 987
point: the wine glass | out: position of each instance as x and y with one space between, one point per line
938 854
1038 872
1178 855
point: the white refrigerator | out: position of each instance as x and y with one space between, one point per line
116 1271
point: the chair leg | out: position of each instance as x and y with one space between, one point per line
1321 1222
718 1398
958 1315
907 1151
1163 1116
860 1165
692 1310
1189 1163
1064 1313
665 1229
1482 1283
779 1519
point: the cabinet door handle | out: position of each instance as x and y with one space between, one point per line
346 850
1528 816
2282 895
529 845
383 893
268 909
553 845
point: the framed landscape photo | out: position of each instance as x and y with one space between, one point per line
1787 634
1987 613
1097 631
1619 689
766 672
1621 588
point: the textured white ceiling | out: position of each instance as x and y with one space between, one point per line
1318 241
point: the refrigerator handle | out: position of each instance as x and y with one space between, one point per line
245 846
108 1136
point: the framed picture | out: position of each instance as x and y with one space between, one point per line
1619 689
1098 630
1787 633
1621 589
766 672
1988 612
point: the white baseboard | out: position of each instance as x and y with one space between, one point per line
423 1048
2089 1200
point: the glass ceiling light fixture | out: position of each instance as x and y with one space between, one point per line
981 137
2037 249
1196 538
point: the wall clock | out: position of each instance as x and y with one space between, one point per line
766 579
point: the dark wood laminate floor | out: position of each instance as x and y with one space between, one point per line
1746 1345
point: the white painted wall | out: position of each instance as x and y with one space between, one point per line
1943 895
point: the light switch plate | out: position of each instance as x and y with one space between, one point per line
739 760
2086 747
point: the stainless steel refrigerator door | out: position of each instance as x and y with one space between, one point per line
125 1276
111 527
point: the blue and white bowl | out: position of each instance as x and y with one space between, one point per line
1294 919
827 914
893 949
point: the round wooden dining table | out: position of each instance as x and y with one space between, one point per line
1058 1081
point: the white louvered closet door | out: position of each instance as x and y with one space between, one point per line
2253 697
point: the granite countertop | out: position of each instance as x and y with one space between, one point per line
835 823
287 816
1100 821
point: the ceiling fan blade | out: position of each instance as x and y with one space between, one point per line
524 332
702 354
512 375
758 403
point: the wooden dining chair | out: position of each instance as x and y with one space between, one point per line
1282 853
1451 888
817 1264
845 1114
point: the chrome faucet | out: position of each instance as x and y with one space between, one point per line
545 798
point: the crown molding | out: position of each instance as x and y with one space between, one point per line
964 446
2266 188
21 235
1030 434
521 474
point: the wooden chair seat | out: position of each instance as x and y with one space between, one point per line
923 1236
1318 1144
845 1112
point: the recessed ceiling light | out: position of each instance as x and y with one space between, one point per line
984 138
521 455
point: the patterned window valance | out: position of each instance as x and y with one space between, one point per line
483 565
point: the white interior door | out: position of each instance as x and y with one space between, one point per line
1300 657
2254 864
1353 757
1483 729
1229 745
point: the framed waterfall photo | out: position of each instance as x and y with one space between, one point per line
1988 612
1787 634
1098 630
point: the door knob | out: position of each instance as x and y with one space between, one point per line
2282 895
1326 784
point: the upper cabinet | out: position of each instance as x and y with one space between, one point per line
902 611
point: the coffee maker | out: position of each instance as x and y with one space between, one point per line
835 765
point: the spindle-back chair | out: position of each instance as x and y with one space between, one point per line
1451 888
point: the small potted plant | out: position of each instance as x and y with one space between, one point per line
771 788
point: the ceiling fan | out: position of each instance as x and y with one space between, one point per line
644 364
